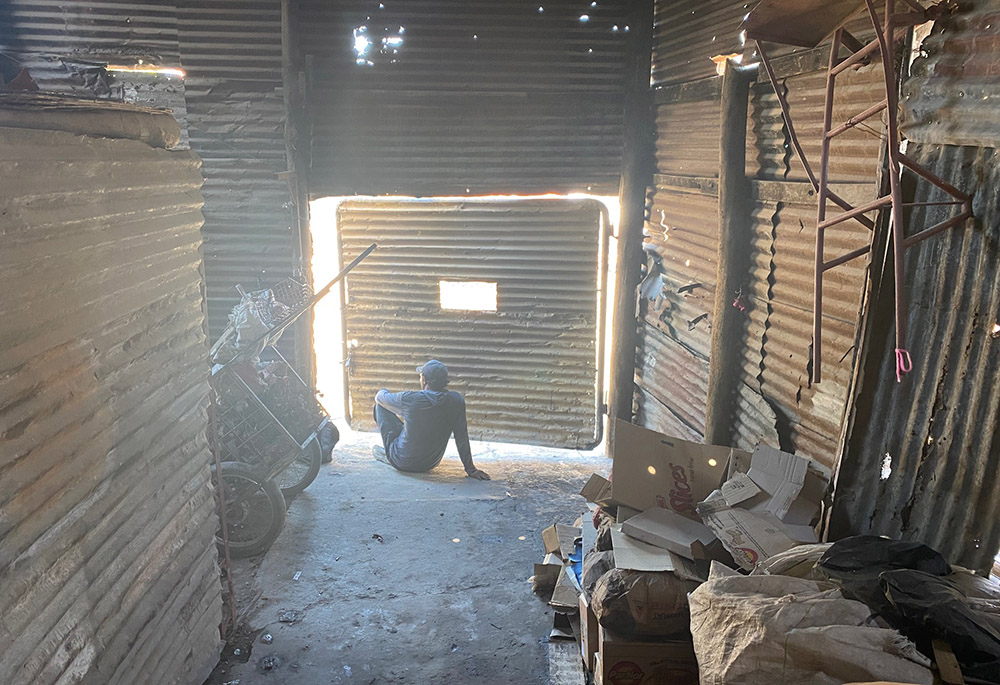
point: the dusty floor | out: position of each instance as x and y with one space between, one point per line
412 578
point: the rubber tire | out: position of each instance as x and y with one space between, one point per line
316 461
275 501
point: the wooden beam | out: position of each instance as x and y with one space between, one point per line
734 254
637 175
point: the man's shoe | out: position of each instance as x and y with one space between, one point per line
379 452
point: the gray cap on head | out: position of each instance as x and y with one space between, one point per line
435 372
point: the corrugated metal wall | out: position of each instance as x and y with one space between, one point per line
922 457
108 564
231 103
496 96
938 431
775 399
953 92
529 370
231 50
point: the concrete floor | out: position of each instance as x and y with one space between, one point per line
414 578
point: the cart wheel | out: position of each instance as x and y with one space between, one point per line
301 472
255 510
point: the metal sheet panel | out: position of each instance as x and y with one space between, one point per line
674 384
529 370
496 97
437 144
809 416
853 155
952 94
67 45
688 33
687 137
922 465
675 340
64 44
108 564
231 50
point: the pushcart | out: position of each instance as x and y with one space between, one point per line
265 417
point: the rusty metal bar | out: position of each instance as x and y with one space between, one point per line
857 119
858 56
934 204
966 213
853 254
896 191
783 104
854 212
824 174
845 205
931 178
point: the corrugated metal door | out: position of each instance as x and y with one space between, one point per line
529 369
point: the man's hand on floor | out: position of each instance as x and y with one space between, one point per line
479 474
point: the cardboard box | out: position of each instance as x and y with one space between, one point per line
749 538
636 555
560 539
670 531
597 490
626 662
590 635
655 470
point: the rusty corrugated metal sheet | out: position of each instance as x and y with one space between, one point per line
687 134
495 97
529 370
67 45
683 234
231 50
673 381
108 563
777 361
853 155
938 431
952 94
688 33
64 43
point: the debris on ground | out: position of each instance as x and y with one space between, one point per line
701 563
290 616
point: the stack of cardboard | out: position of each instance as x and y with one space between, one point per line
679 505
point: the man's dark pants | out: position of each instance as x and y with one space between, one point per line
389 425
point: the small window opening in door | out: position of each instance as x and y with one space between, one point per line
469 296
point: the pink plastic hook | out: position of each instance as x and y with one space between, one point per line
903 363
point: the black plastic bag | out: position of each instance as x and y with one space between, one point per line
856 563
933 607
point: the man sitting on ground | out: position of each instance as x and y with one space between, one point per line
417 424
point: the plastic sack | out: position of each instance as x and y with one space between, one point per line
798 562
855 563
603 543
762 630
595 565
934 607
642 603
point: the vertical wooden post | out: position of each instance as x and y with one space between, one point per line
297 164
734 254
637 175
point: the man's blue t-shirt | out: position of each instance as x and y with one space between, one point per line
429 420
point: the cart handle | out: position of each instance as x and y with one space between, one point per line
272 334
